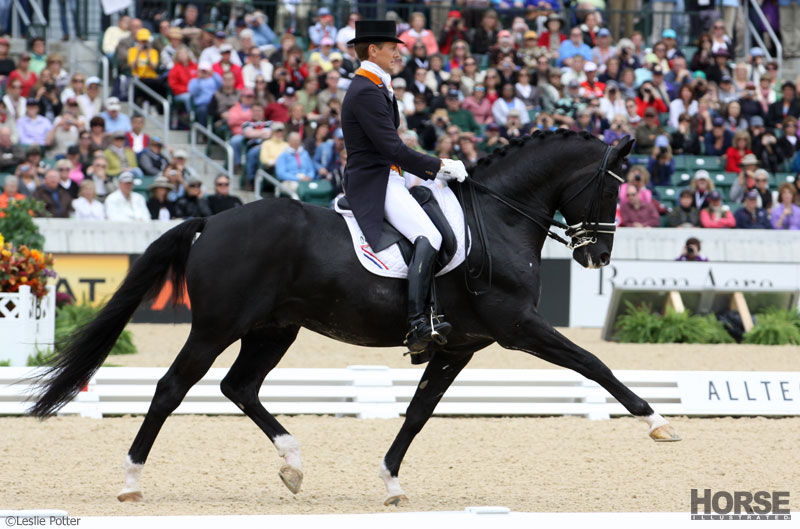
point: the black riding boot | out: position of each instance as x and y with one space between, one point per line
424 328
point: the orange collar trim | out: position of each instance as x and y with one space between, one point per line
371 76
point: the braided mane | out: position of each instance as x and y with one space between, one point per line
515 144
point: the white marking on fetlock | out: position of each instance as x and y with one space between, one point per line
133 472
392 482
289 450
654 421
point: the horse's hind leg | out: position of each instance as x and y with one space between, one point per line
438 375
194 360
534 335
261 351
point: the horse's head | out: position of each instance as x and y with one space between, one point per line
589 206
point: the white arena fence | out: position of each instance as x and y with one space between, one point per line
381 392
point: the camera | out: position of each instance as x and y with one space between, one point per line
637 176
690 250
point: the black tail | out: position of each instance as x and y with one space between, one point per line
88 347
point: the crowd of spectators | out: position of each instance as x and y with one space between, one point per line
467 85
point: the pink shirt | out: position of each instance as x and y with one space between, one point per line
645 195
482 111
237 115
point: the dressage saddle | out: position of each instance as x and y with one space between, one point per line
390 235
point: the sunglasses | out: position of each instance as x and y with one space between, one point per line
761 179
223 184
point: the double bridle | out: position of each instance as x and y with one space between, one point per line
581 234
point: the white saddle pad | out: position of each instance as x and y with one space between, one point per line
390 262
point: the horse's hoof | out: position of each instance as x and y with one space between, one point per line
134 496
397 501
665 434
291 477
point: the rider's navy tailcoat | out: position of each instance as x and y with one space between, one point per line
369 123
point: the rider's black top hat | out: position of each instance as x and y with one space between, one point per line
375 31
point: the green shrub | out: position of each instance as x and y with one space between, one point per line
5 363
70 317
17 226
775 327
642 325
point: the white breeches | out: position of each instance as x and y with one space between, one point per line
405 213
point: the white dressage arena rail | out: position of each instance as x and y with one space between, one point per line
381 392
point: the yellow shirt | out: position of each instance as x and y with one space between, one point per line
138 62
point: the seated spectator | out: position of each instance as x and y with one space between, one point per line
6 64
737 151
192 204
10 191
702 186
125 205
294 165
789 105
114 34
327 155
507 102
222 198
86 205
716 214
685 214
226 65
514 128
279 110
64 167
648 97
647 131
76 173
152 161
23 74
785 214
203 89
333 91
405 99
76 88
686 103
184 69
119 157
468 152
98 139
13 102
255 131
142 60
115 121
167 57
237 115
478 105
103 184
57 200
11 155
179 161
256 64
136 139
213 54
492 139
418 33
323 28
788 145
298 122
684 140
91 103
637 214
751 216
27 178
307 98
745 181
638 178
718 139
159 205
63 134
660 164
592 88
224 99
32 127
612 103
34 158
320 60
761 179
46 92
572 47
691 251
461 117
84 148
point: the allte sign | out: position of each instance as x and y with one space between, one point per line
740 393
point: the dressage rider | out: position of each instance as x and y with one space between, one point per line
373 182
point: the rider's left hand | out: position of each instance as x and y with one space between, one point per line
452 170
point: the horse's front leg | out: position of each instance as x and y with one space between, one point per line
533 334
440 373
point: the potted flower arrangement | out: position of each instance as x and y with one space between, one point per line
27 303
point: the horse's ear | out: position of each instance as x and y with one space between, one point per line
624 147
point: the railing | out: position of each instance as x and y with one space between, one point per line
280 187
135 83
18 12
97 55
210 136
752 32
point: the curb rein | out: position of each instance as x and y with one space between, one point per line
581 234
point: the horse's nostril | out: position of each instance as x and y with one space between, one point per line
605 258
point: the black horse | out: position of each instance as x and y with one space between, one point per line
260 272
